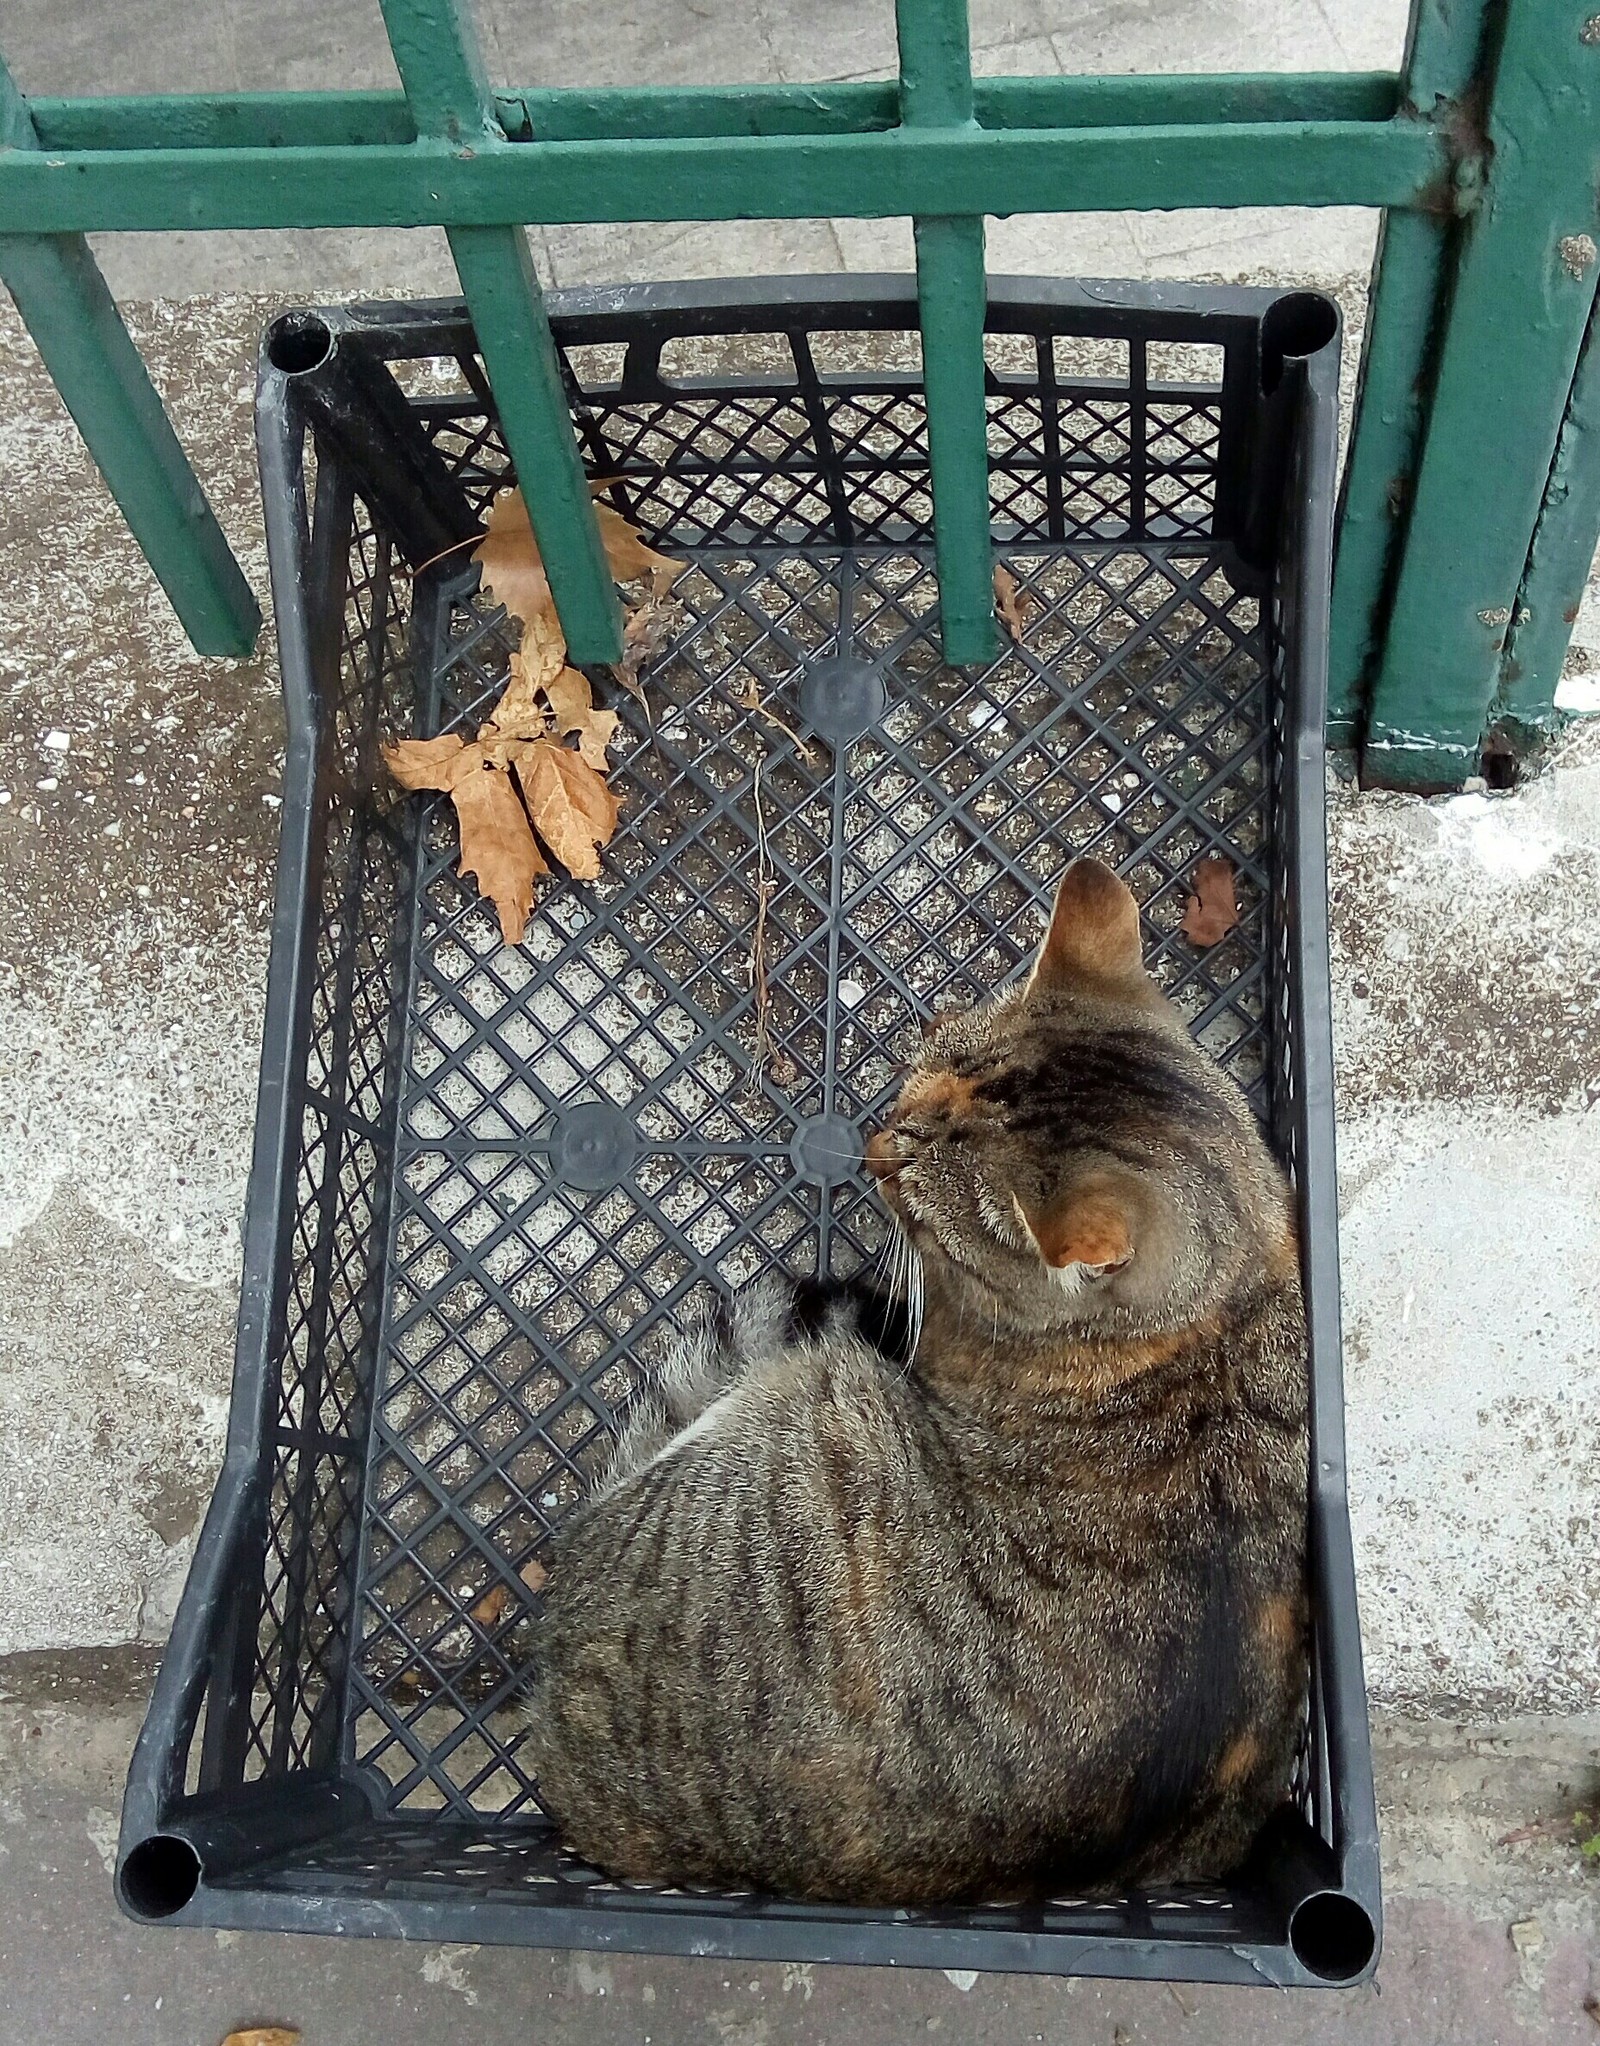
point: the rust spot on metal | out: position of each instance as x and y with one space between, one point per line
1462 125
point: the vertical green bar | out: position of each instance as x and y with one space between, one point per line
103 383
1563 551
436 54
936 92
1518 310
1401 308
1443 48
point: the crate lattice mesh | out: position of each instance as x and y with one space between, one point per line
893 870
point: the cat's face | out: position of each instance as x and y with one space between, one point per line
1064 1152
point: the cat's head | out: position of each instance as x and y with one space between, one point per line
1064 1156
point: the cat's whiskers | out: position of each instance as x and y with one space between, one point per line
917 1300
886 1263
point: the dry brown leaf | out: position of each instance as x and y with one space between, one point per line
543 651
568 695
567 799
645 631
534 1575
492 1604
565 792
573 705
571 807
1009 601
496 844
264 2035
499 748
1211 911
523 711
425 763
630 558
513 571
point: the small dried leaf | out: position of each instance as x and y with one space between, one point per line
1009 601
1211 911
574 709
492 1604
425 763
499 748
596 736
645 631
571 807
508 554
543 652
496 844
534 1575
629 556
523 711
264 2035
570 698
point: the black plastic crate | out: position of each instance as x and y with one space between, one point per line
486 1181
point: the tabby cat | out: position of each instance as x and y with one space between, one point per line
1025 1611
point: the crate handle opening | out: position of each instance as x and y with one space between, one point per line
299 343
1299 323
1332 1936
159 1877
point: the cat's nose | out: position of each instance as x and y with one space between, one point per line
882 1155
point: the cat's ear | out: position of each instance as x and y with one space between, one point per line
1089 1225
1093 934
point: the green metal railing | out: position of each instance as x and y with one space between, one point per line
1472 498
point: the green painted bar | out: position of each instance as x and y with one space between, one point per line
951 296
103 383
1403 309
448 93
1564 546
952 292
941 171
325 120
935 49
1519 306
236 120
508 315
1183 99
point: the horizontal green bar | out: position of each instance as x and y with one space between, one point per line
234 120
1185 100
623 113
330 120
1380 163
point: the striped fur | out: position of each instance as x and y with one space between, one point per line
1028 1611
